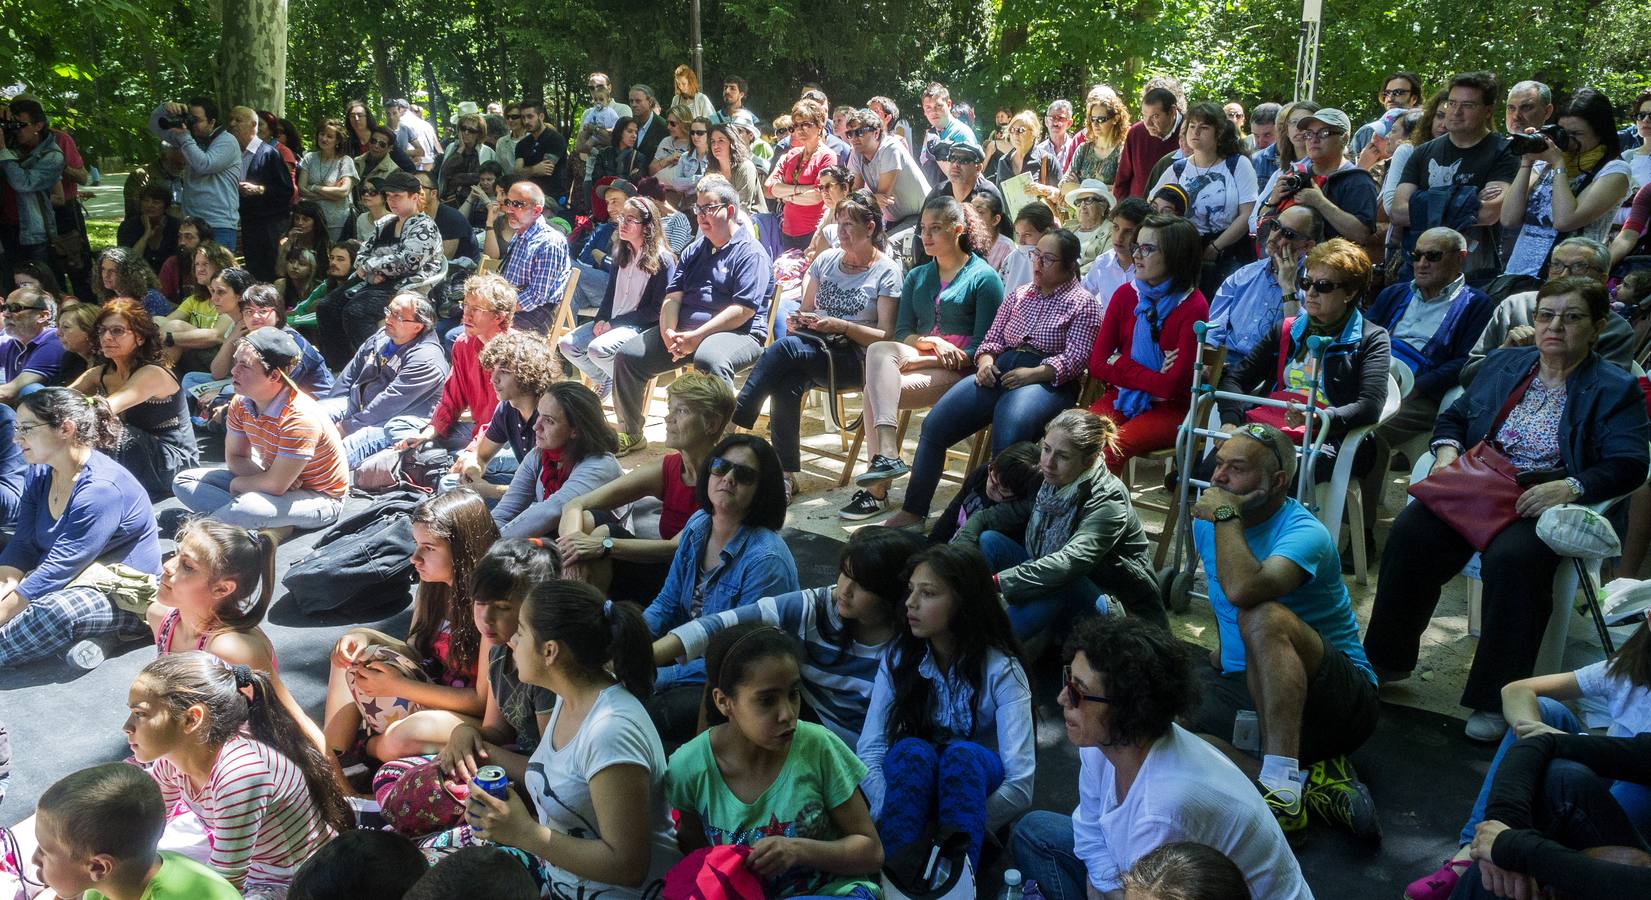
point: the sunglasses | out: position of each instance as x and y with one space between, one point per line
1429 255
513 116
780 131
370 192
516 204
1086 201
863 130
1261 435
1288 233
698 132
18 307
1396 94
740 472
1072 691
1643 116
467 129
1322 285
382 145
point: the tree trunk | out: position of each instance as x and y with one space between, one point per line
252 55
384 70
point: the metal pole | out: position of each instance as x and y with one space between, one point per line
1307 54
693 37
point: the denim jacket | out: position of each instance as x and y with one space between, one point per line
33 175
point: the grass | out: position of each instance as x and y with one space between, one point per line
101 233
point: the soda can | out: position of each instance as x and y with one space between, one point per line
493 780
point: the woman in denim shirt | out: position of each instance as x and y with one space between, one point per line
730 553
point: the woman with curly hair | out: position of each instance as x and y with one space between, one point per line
129 369
1144 780
1106 123
124 273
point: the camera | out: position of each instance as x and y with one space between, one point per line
167 123
1291 182
11 127
1521 144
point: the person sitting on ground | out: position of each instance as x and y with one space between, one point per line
193 330
80 571
390 388
1011 475
523 369
1249 305
1532 706
378 685
284 461
1028 368
809 832
574 447
404 250
643 266
715 312
340 274
1058 551
850 293
729 553
124 273
1289 645
261 307
595 543
361 864
226 753
1116 265
1186 870
948 736
1143 780
1556 411
302 274
98 833
31 354
130 370
1352 383
946 307
489 307
153 232
225 291
1148 328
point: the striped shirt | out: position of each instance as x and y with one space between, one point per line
837 689
295 427
256 809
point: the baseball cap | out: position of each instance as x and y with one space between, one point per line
274 346
945 150
1335 118
401 183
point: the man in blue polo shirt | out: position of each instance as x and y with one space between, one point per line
1290 646
1249 305
715 312
31 353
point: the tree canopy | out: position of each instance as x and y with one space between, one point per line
101 65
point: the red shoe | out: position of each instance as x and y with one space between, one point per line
1440 884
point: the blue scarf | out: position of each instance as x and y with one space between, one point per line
1157 302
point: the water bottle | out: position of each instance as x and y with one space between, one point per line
1011 886
1031 891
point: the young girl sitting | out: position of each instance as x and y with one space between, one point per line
377 682
844 628
759 778
948 734
217 741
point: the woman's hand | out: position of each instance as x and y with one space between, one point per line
1023 376
348 649
1539 498
1169 360
500 821
600 327
379 679
578 548
1211 252
773 855
1526 728
464 754
986 374
950 356
1443 456
917 363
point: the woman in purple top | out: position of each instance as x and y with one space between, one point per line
84 562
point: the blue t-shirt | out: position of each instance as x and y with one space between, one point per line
42 356
711 279
1321 602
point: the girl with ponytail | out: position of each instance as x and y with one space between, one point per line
219 743
597 779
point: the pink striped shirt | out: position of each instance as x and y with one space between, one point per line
256 810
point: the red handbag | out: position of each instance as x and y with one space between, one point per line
1476 495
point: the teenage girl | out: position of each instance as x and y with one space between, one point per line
844 628
217 741
377 682
759 778
948 734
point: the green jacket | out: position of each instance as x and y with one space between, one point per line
967 305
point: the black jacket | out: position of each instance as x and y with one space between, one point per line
1355 377
267 168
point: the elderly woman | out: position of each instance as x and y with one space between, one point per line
796 175
1094 202
1148 328
1028 368
461 162
1105 125
1056 551
850 294
1023 155
131 372
598 543
1574 191
327 177
1576 430
404 250
1353 381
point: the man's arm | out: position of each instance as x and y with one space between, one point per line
1399 215
1247 581
275 480
11 390
238 453
728 318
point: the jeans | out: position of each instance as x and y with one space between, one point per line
1042 844
945 784
207 491
787 369
721 354
364 442
52 624
594 354
501 469
227 236
1004 552
1015 414
592 286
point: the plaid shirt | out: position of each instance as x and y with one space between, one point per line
1062 325
538 266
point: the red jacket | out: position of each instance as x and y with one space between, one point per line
1141 152
1117 333
469 386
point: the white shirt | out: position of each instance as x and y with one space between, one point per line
1106 276
1214 194
423 134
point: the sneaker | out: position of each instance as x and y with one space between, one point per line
86 655
630 443
1335 794
1292 817
863 506
883 468
1485 726
1441 884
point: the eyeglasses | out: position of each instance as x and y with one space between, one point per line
1019 129
382 145
1643 116
1264 436
1555 267
15 308
801 125
1321 285
1395 93
1429 255
1048 259
23 430
1463 105
1566 319
516 204
400 320
863 130
115 331
1072 691
1088 201
778 132
469 129
740 472
1142 251
705 209
1322 134
633 219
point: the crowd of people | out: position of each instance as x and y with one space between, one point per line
482 310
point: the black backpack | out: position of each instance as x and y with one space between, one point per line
363 562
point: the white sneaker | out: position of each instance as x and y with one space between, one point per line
1486 726
85 655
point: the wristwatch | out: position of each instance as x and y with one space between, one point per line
1225 513
1576 488
607 547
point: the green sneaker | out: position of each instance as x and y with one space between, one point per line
1292 817
630 443
1335 794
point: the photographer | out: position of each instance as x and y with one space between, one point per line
212 164
1324 181
32 164
1571 180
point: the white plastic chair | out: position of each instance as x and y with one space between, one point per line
1343 491
1402 375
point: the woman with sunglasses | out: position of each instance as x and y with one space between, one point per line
795 179
692 164
1106 123
372 207
1143 780
1575 428
461 162
729 553
1023 156
327 176
675 143
834 186
731 158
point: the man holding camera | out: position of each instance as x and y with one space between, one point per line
32 164
212 164
1326 181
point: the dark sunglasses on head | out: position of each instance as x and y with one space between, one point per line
1429 255
740 472
1322 285
18 307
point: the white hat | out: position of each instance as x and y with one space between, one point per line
1574 530
467 108
1091 187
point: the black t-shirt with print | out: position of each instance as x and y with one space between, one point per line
1440 162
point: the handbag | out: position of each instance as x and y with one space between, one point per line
937 871
840 351
1476 494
